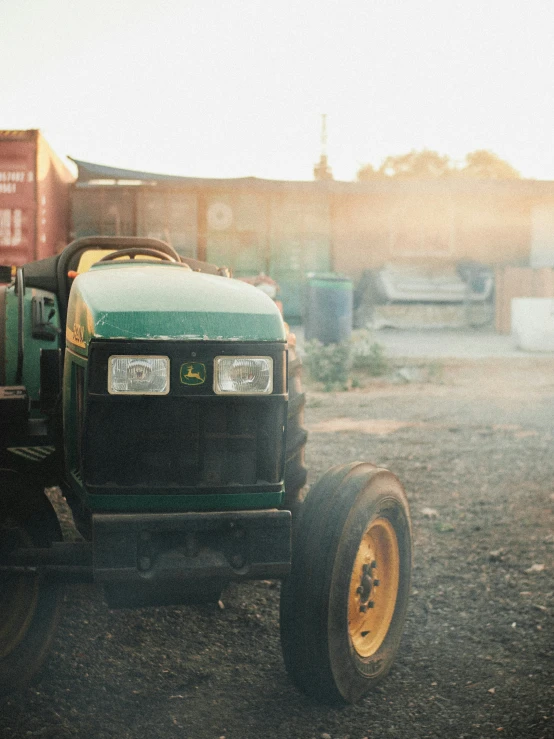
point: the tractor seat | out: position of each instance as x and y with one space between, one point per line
42 275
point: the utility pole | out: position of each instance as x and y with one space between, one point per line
322 171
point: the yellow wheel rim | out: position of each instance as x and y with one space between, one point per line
373 587
18 602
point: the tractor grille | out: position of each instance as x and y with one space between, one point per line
180 443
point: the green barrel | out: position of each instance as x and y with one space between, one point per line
328 308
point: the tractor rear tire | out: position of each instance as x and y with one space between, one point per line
343 607
30 608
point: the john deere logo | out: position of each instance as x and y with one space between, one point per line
193 373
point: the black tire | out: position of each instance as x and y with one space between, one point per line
30 608
341 625
297 436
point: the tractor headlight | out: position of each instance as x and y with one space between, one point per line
243 375
128 375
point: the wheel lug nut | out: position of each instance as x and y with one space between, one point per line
363 609
373 564
237 561
376 583
370 604
145 563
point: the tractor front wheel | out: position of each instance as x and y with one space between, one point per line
29 607
344 604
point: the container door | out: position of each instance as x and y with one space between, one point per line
17 198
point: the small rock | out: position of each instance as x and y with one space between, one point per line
492 691
409 374
429 513
535 568
325 736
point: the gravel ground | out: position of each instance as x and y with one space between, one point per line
473 449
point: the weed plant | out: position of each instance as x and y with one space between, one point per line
331 364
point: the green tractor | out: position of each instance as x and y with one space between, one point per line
164 399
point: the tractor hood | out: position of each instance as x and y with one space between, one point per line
166 301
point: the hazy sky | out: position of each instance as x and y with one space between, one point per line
234 88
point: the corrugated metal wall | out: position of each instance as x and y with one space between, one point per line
439 228
169 215
288 230
519 282
278 233
236 226
542 238
103 211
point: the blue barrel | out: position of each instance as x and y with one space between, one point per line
328 308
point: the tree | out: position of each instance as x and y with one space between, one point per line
428 164
425 164
486 165
368 172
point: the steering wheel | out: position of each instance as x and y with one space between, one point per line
138 251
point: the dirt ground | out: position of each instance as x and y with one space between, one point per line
473 447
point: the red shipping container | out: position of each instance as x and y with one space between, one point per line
34 198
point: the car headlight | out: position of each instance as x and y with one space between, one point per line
138 375
243 375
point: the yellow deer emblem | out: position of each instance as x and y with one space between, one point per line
193 373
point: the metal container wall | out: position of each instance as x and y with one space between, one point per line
328 309
170 215
300 242
34 198
53 180
237 232
17 197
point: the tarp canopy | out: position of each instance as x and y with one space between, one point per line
90 171
93 174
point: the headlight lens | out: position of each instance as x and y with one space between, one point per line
138 375
243 375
